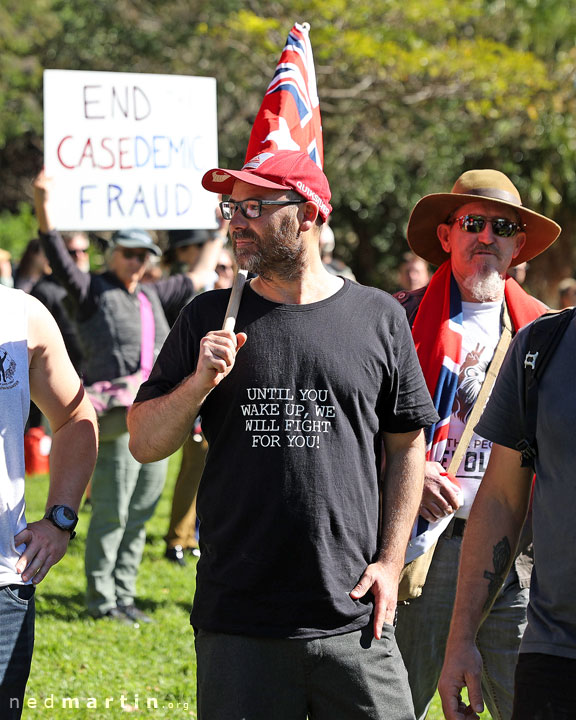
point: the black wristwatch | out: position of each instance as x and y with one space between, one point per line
63 517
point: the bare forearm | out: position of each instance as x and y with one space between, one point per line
42 202
72 458
491 536
402 491
489 545
158 427
403 482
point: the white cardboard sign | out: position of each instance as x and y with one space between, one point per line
129 149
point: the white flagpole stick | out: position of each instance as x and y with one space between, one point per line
234 302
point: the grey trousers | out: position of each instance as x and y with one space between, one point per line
124 496
343 677
423 626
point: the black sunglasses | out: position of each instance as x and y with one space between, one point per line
502 227
140 255
251 208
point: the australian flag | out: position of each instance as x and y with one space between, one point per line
289 117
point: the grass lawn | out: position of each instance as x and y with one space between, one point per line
104 668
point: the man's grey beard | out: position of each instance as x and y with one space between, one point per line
486 285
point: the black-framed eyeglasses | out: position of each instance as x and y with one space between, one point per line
76 253
251 208
502 227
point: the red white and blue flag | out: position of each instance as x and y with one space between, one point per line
289 117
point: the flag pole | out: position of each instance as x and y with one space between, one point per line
234 302
289 116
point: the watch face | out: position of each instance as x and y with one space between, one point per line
64 516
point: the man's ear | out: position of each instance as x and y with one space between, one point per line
310 213
520 242
443 232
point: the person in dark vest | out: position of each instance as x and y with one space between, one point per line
121 326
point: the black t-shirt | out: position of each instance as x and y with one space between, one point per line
288 502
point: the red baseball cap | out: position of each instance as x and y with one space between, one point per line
281 170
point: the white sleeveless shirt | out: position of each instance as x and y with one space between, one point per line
14 408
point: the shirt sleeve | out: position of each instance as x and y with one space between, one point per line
408 406
502 421
174 293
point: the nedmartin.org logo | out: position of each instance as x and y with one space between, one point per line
7 370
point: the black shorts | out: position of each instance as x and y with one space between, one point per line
544 687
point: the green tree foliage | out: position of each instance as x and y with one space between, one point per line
412 92
16 229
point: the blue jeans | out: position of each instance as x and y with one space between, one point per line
16 644
423 625
343 677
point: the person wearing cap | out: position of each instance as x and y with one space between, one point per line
296 591
474 234
117 317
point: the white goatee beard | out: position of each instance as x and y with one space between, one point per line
486 285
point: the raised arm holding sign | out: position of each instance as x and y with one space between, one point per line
128 150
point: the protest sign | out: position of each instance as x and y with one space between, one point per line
129 149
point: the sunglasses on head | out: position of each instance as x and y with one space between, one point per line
140 255
502 227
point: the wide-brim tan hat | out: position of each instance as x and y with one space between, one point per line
432 210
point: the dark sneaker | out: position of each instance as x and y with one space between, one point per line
114 614
176 555
134 614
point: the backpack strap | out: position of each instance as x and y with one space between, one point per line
544 337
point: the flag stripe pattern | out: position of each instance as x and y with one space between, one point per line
439 353
289 117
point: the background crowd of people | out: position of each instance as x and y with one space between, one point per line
115 321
